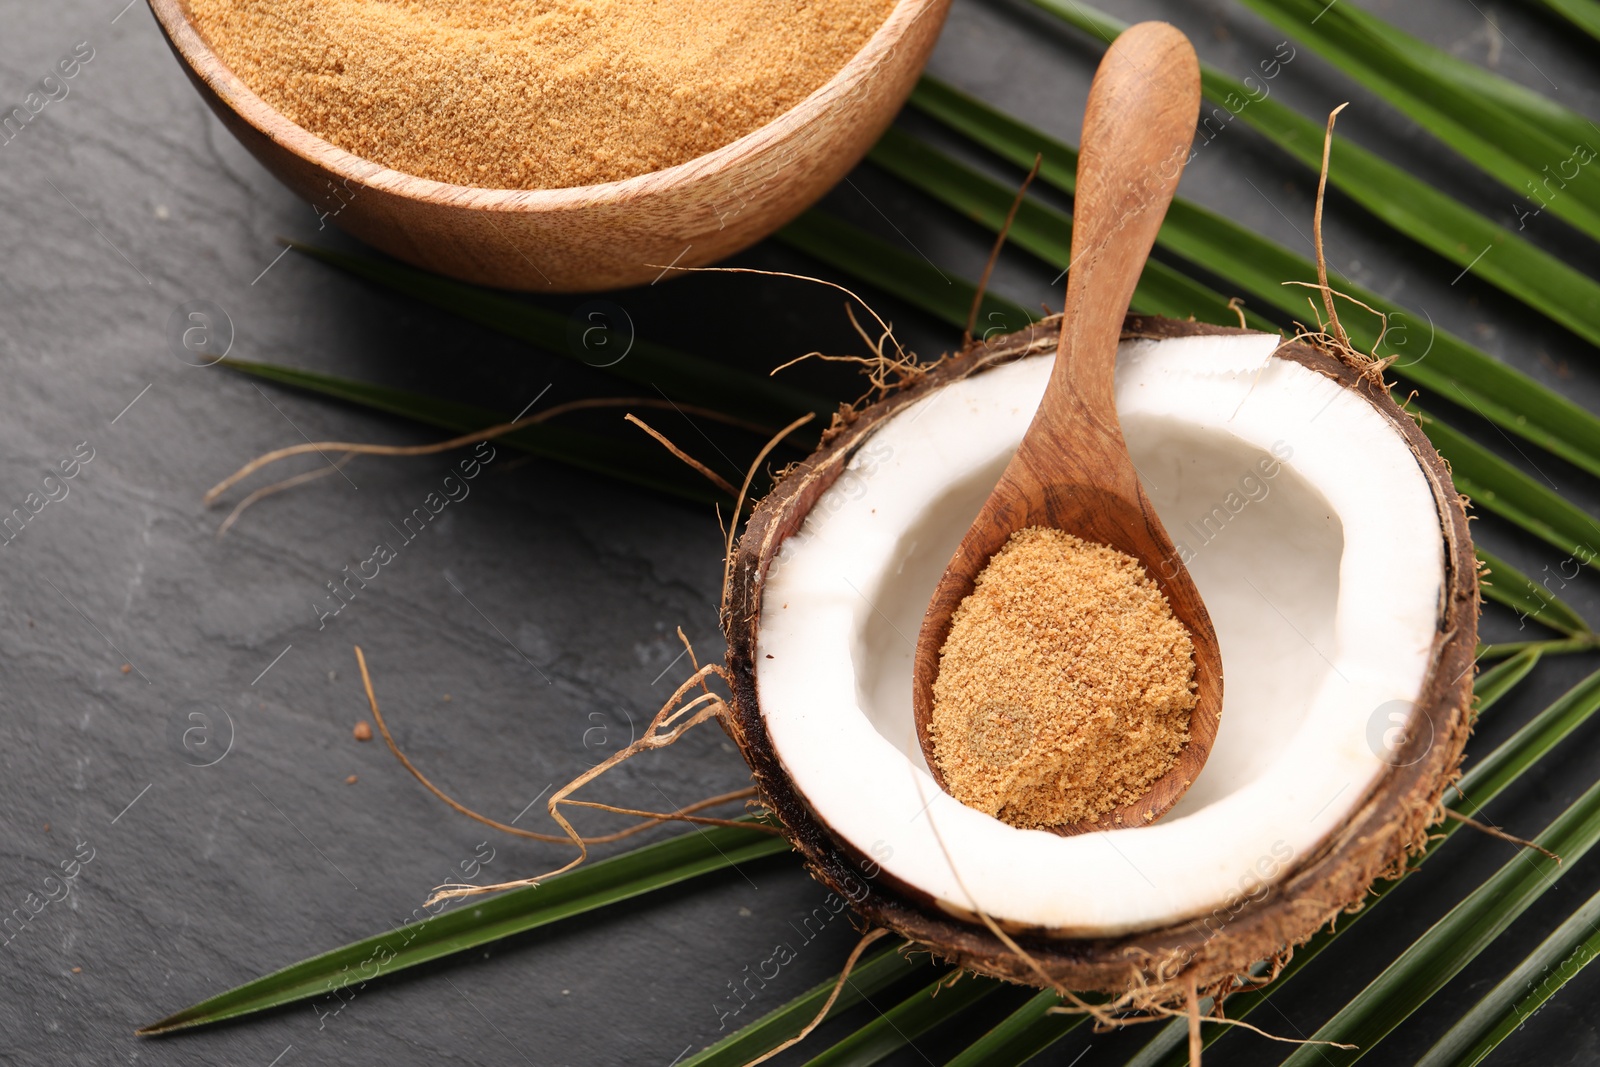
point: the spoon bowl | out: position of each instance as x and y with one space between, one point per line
1072 471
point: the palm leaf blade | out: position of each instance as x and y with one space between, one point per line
1468 109
870 977
1557 960
1508 586
1020 1036
908 277
1455 940
1484 780
1447 365
1409 205
1044 231
637 464
1503 677
902 1024
1584 14
680 375
596 885
1496 485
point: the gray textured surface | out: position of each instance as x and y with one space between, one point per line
544 604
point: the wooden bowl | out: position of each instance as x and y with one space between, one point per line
593 236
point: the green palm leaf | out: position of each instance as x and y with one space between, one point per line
1446 77
1558 959
595 885
935 1003
637 463
1551 647
1495 485
1020 1036
1482 116
871 976
683 377
901 274
1584 14
1446 364
1493 684
1455 940
1509 586
1044 231
1484 780
1409 205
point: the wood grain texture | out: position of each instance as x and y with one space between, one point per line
596 236
1072 471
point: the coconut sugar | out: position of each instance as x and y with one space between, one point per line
1065 685
534 94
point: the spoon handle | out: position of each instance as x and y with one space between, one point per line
1072 470
1137 129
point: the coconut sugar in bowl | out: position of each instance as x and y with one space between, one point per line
390 186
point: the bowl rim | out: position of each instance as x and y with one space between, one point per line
203 62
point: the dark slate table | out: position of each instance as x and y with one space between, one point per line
170 707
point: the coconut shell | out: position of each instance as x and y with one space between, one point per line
1155 966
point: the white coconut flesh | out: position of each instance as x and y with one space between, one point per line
1324 581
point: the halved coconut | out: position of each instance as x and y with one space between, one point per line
1333 554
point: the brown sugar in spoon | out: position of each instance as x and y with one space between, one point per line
1072 471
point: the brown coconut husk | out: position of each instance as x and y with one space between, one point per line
1154 970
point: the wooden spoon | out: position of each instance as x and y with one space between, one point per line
1072 470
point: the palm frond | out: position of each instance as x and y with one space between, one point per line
624 459
937 1002
1512 133
683 376
1409 205
1484 780
1438 361
1509 132
595 885
1506 585
1559 959
1020 1036
1495 682
1455 940
870 977
1042 230
1584 14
